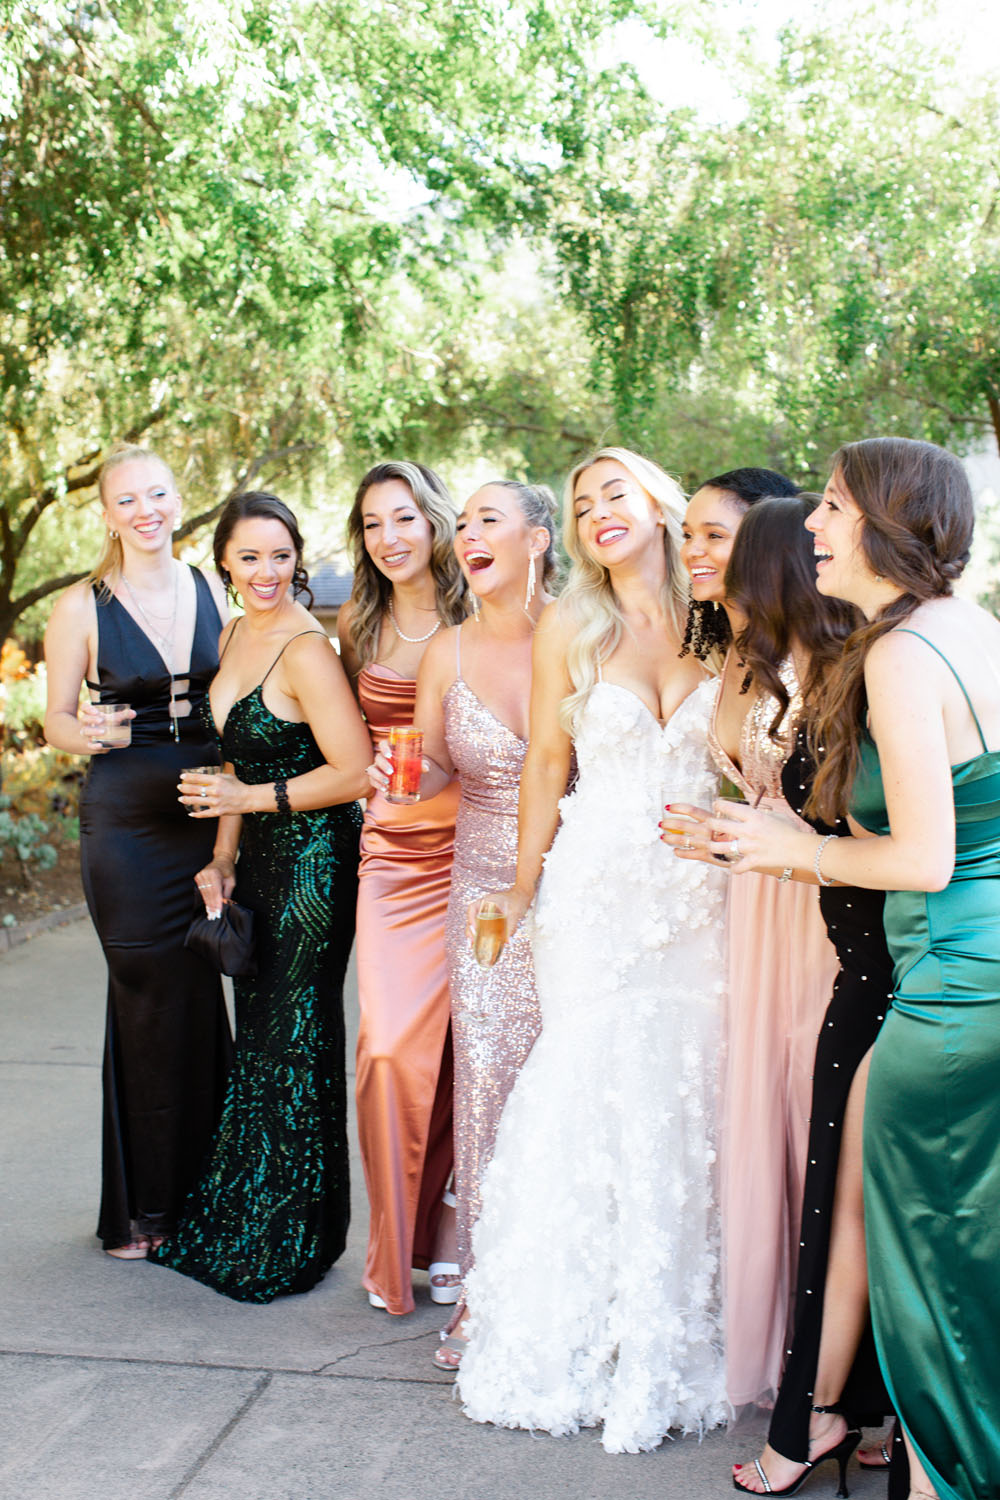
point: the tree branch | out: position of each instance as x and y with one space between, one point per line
277 456
71 482
42 591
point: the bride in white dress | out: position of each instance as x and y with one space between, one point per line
595 1294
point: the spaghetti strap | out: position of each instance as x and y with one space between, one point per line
229 638
284 648
458 652
902 630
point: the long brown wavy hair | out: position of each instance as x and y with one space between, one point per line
917 521
372 591
771 578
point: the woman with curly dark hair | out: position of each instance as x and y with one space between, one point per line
407 586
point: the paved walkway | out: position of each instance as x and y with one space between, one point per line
125 1382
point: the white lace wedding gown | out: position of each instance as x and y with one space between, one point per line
595 1293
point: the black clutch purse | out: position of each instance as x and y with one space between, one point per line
226 943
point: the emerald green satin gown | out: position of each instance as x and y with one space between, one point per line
932 1143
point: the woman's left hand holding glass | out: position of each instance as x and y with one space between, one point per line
743 838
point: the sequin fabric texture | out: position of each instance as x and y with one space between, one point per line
271 1211
494 1012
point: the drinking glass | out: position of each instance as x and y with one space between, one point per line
116 731
406 746
491 934
728 792
200 773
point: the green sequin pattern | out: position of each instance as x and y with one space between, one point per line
271 1211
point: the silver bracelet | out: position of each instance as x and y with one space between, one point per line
786 874
819 855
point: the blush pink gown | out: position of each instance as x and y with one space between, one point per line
781 971
495 1016
404 1064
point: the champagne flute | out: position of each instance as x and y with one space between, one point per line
491 934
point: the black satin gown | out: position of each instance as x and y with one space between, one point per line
167 1047
861 996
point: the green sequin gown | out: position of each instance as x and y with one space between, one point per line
932 1144
271 1210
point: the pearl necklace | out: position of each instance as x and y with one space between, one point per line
165 642
414 640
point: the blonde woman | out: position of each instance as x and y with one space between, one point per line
407 587
602 1181
142 629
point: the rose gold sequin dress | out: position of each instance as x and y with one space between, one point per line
404 1071
494 1012
781 971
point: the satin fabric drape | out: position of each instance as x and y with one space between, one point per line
932 1146
404 1061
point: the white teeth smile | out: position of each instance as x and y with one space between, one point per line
266 591
822 555
702 572
395 558
476 561
613 534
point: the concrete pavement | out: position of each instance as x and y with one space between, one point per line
120 1380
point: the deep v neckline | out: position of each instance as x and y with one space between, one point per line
461 682
173 676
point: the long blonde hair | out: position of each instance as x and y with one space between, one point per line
107 570
372 591
588 598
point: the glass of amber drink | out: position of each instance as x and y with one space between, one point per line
491 934
406 746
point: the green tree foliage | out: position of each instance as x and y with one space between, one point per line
827 266
258 230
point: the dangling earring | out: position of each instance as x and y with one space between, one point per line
529 592
475 606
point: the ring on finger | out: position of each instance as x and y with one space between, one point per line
687 844
734 848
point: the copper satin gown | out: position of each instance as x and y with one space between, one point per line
404 1065
782 967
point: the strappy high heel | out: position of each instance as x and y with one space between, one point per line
840 1451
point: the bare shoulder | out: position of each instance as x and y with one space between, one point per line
308 647
75 607
556 628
